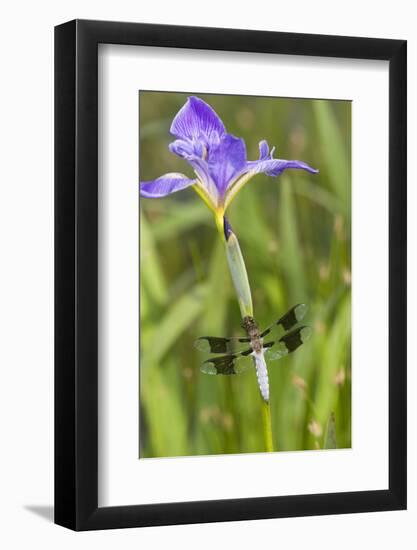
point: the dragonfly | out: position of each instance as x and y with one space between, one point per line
238 354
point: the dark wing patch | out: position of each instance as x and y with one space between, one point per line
228 364
287 343
219 365
293 316
216 344
296 338
290 319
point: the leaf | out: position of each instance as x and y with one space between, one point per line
330 441
180 218
164 410
150 267
335 152
335 349
314 192
210 394
291 257
180 315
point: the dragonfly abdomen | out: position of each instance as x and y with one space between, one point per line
262 375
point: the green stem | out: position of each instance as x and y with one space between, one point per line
242 287
267 426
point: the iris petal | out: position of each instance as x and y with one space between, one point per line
165 185
269 166
263 150
193 153
196 120
182 148
226 161
275 167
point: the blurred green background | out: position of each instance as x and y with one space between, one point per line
294 232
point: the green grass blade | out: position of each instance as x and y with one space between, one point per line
330 441
334 149
290 255
151 273
181 315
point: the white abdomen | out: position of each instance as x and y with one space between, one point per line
262 374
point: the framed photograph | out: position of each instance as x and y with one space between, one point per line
230 252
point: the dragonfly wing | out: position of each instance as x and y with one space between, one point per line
228 364
216 344
276 351
289 320
287 343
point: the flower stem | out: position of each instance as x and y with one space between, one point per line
267 426
242 287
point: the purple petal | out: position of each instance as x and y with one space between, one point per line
275 167
263 150
196 120
193 154
226 161
164 185
182 148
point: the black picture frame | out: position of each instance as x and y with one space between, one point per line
76 272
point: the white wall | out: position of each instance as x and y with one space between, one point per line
26 299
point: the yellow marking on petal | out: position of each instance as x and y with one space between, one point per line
218 212
236 187
203 195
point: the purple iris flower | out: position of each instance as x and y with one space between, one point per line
217 158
